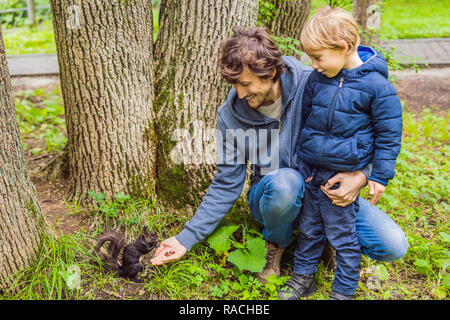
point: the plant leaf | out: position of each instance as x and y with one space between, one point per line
446 280
254 259
382 272
423 266
220 240
122 197
445 236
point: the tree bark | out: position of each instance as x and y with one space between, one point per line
189 90
368 15
105 54
290 17
21 220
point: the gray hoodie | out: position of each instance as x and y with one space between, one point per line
244 134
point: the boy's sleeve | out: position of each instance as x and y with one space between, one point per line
222 193
386 114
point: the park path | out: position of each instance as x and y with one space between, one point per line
434 52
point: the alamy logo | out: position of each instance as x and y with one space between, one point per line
74 17
202 145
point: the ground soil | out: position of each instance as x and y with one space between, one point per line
426 89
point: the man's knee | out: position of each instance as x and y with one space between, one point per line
380 237
285 190
287 183
396 246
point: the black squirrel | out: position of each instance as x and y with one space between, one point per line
131 264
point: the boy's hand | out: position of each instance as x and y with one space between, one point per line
376 189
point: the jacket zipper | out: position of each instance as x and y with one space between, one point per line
330 115
330 118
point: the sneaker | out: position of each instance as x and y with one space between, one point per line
337 296
299 285
273 257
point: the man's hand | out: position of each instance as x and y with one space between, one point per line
376 189
169 250
350 184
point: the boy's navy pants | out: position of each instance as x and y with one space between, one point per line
319 220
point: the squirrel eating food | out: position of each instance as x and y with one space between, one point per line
132 252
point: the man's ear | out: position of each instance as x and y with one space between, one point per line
274 72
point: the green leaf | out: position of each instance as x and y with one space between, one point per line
382 272
252 259
443 263
445 236
217 292
220 240
446 280
423 266
440 293
122 197
100 197
71 277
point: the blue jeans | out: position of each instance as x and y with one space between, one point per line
321 220
275 202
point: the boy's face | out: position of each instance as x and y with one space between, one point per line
327 61
257 91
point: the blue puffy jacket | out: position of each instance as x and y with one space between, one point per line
352 119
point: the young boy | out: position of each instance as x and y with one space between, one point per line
351 117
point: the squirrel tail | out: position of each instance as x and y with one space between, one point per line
117 242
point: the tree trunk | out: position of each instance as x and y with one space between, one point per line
21 220
290 17
189 90
368 15
105 53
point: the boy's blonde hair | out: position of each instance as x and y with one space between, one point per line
327 27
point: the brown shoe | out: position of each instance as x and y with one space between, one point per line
273 257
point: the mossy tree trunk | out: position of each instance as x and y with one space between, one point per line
105 54
189 90
21 220
290 17
368 15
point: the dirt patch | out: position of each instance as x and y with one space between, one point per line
34 82
418 92
52 198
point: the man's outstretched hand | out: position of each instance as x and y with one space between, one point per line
350 184
169 250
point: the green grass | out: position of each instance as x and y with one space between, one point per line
26 39
409 19
402 19
57 273
40 39
406 19
40 115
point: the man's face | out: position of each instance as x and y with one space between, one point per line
327 61
258 92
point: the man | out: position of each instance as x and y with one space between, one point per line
262 116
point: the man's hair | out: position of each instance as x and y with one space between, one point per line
253 48
329 26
